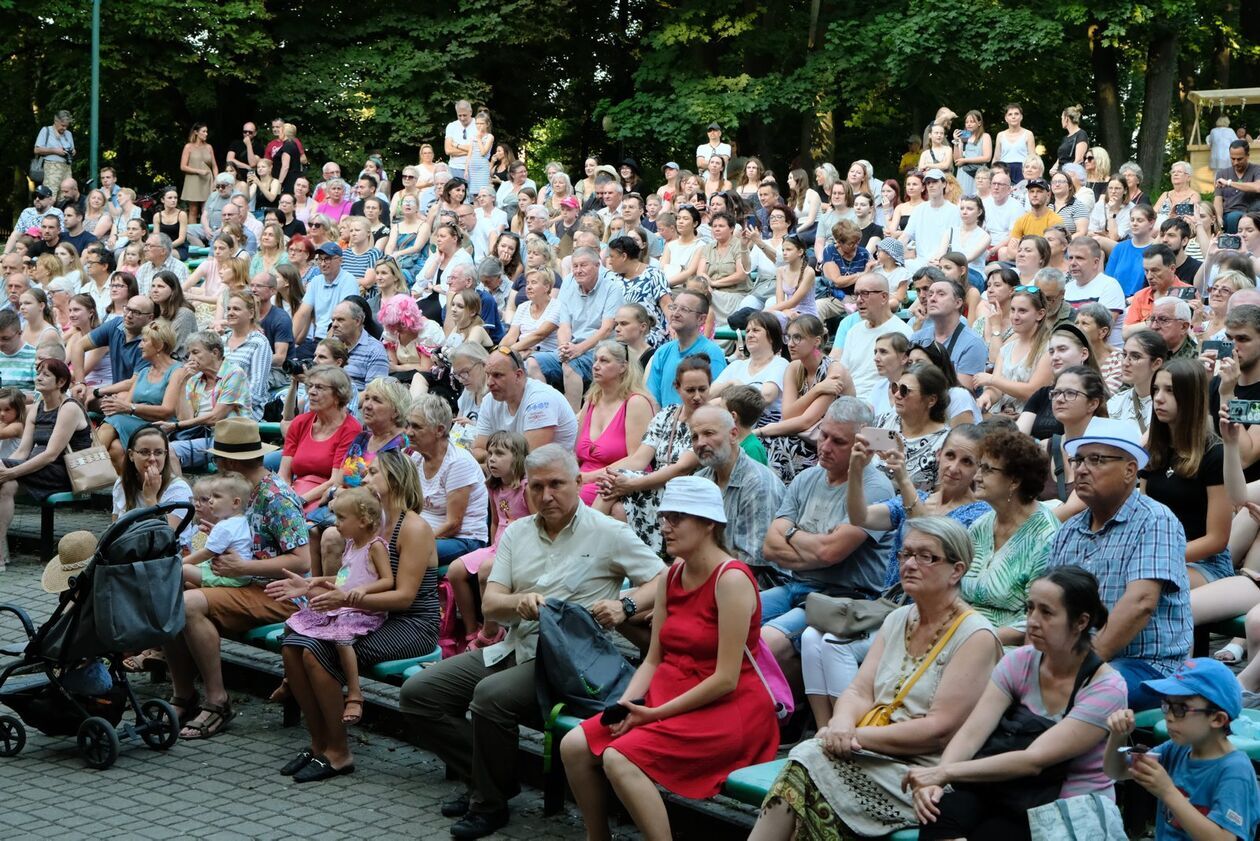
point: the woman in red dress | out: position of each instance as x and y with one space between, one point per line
695 710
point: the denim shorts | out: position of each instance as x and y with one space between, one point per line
783 608
550 365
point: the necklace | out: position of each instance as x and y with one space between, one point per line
910 663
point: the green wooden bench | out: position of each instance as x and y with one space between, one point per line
47 543
270 433
1236 627
269 638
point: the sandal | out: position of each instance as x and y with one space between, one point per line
217 717
145 661
186 708
480 640
350 719
1231 654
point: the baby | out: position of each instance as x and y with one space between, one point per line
228 494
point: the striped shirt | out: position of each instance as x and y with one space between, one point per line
1142 541
997 582
356 265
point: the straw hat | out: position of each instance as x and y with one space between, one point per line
238 439
74 551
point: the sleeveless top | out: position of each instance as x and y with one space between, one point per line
425 604
152 393
171 231
46 419
680 255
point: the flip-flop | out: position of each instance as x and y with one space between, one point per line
1231 654
350 719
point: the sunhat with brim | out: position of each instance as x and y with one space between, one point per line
1112 432
74 553
893 248
693 495
607 169
238 439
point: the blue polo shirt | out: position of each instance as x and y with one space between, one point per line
323 296
665 365
277 326
124 355
969 353
491 316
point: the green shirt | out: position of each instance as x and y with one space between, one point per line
996 584
755 449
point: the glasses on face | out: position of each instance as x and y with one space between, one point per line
863 293
151 454
1089 157
1180 709
920 558
1068 394
1161 320
323 258
984 469
681 308
136 312
317 387
902 390
409 178
672 517
315 225
1094 460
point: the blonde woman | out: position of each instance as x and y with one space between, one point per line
264 188
1022 365
614 418
1097 170
271 251
410 188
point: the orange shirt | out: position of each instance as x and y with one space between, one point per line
1143 301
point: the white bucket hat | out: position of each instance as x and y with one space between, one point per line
695 496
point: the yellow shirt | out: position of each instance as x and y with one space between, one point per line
1028 224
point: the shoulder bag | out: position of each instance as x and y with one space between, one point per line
90 468
881 715
36 169
849 618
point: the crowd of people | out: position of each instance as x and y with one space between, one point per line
1002 403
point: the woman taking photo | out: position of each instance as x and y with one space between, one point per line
246 346
1186 470
312 668
919 401
270 252
644 283
1068 346
168 299
153 396
200 170
764 368
1182 193
973 149
614 417
1063 611
681 258
1012 541
173 222
1022 365
1144 353
695 680
1095 322
825 791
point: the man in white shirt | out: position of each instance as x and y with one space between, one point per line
516 403
1088 284
459 137
934 225
858 351
1000 209
715 146
610 194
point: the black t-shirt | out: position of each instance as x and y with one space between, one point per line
238 147
294 227
1241 392
1187 270
1067 149
1044 424
871 230
295 164
1188 497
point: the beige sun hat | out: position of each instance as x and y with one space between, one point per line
74 552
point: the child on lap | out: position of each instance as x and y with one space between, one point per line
228 495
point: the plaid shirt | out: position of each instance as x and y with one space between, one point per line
1143 541
751 498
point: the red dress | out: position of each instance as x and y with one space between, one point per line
693 753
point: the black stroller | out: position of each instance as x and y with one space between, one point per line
69 680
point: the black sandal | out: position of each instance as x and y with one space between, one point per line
219 716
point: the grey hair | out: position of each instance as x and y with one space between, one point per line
63 116
846 409
953 537
1099 313
1130 166
552 455
568 182
208 339
435 411
1183 165
335 182
1050 275
725 419
1181 309
586 252
490 267
471 351
356 311
459 270
336 379
164 241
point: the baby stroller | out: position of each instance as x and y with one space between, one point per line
69 680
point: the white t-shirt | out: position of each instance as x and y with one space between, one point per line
930 226
1103 289
463 434
961 402
485 228
541 406
1218 141
177 491
708 150
459 470
460 133
1000 218
737 373
858 354
528 324
232 533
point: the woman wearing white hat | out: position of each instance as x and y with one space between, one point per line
672 726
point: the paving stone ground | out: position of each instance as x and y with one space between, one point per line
228 788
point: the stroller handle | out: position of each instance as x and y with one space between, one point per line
131 517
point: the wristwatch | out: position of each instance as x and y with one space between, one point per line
628 605
787 535
96 392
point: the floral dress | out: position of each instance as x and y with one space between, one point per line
648 289
670 436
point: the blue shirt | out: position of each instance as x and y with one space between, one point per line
1125 265
277 326
969 354
368 361
124 355
1143 541
1224 789
323 296
831 254
491 316
665 365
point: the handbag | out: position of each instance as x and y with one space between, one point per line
90 468
848 618
36 170
881 715
1087 816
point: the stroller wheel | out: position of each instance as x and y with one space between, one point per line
161 729
98 742
12 736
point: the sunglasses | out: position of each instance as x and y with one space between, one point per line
901 390
1032 290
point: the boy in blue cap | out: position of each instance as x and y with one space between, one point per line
1206 788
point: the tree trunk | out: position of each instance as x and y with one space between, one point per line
1161 78
1105 61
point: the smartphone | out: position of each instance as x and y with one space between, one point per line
1185 293
966 134
1232 242
1224 350
1244 411
1185 208
881 440
616 713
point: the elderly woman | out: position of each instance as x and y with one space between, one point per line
317 440
153 397
335 204
54 425
1056 677
614 418
926 669
455 497
312 668
215 389
695 682
1131 174
244 344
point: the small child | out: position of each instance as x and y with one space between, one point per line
505 462
747 405
228 495
12 419
364 570
1206 788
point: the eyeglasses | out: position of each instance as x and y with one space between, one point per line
672 517
149 453
315 225
862 293
1068 394
409 178
920 558
1089 157
984 469
136 312
1094 460
1161 320
680 308
1180 709
901 389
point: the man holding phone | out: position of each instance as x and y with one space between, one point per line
1237 186
1161 282
1241 380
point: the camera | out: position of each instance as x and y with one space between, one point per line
296 367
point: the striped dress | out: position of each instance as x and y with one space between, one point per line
411 632
996 583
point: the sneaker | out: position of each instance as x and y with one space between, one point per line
479 824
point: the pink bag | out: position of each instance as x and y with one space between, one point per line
772 678
449 638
